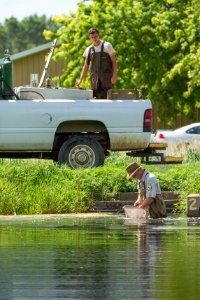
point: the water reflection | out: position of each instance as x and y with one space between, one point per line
99 258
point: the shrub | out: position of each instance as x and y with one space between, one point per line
38 186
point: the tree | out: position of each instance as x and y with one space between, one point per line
22 35
157 44
12 29
3 40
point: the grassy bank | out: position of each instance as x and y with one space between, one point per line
38 186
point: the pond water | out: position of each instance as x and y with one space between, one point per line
99 257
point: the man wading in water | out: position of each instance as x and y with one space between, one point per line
103 67
149 192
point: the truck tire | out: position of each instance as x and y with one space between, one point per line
81 151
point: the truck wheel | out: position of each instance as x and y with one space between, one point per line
82 152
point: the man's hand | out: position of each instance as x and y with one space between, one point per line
146 202
138 202
83 74
78 83
113 79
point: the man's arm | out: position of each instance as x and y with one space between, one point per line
83 73
114 64
146 202
139 201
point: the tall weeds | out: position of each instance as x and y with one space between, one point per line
38 186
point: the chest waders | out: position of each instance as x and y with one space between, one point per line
157 208
101 71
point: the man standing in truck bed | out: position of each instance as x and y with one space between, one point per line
103 67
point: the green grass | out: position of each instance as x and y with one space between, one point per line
39 186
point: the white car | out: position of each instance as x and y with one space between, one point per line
187 135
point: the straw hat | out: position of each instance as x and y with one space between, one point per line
132 169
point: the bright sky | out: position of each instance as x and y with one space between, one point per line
25 8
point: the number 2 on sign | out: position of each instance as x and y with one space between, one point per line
192 204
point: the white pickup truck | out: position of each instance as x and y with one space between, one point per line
70 127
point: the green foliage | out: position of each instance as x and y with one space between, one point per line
36 187
193 155
157 45
29 188
22 35
189 183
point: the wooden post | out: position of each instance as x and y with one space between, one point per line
193 205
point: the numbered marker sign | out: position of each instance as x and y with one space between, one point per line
193 205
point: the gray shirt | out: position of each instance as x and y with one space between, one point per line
150 183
